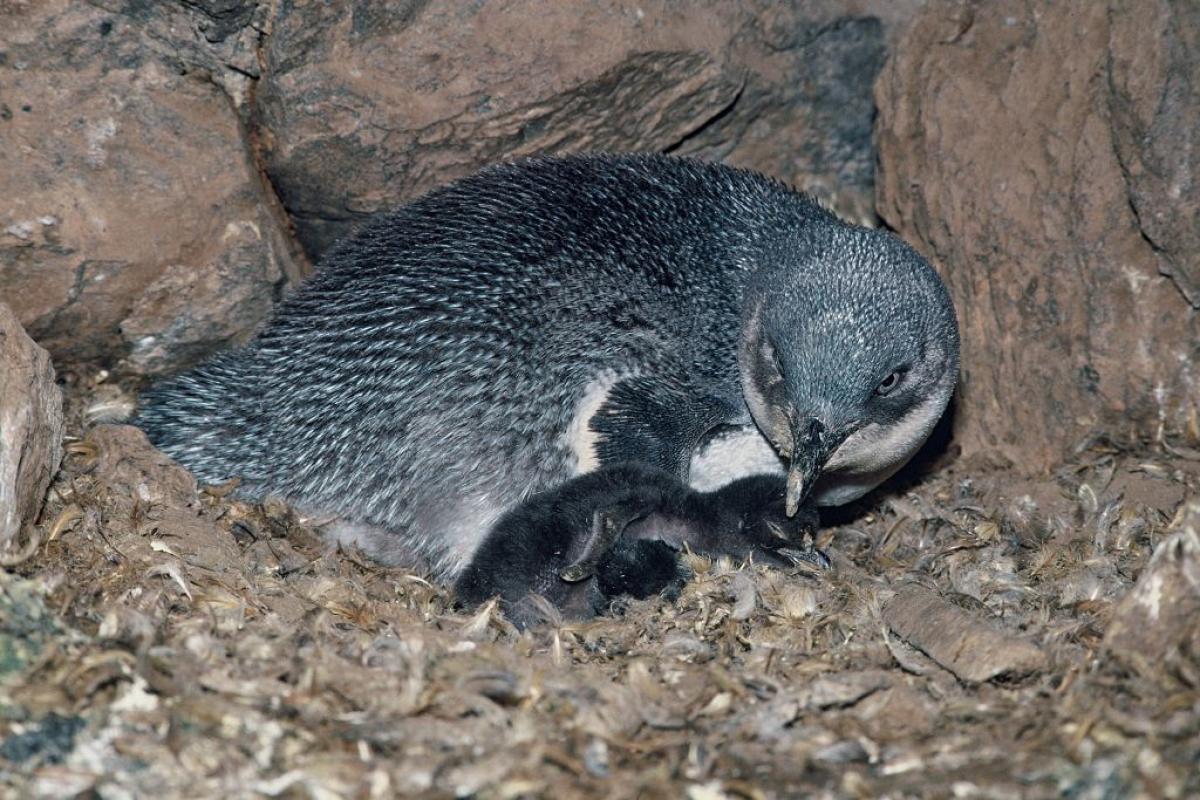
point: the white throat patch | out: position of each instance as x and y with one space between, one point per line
866 459
873 454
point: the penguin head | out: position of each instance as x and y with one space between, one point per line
848 357
750 517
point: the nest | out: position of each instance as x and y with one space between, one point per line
979 635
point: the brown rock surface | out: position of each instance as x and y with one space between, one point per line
968 645
219 40
898 711
1155 104
1042 154
366 106
31 428
133 222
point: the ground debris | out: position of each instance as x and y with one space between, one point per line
50 740
200 645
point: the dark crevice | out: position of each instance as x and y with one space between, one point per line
249 125
240 71
721 114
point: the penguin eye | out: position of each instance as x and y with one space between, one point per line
778 532
889 383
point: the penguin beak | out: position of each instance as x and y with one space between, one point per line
812 444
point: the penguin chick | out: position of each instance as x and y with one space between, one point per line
547 317
619 532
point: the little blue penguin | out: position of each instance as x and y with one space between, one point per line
545 317
617 531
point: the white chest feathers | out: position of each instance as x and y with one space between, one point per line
732 454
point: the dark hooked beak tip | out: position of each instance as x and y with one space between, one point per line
799 485
796 489
811 448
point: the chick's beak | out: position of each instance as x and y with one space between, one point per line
812 444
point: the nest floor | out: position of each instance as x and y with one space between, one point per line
166 641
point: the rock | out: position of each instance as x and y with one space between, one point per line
134 223
133 467
1156 621
1042 154
171 536
27 627
363 107
220 39
1155 102
1144 490
898 713
969 645
31 428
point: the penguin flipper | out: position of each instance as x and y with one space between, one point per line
656 421
608 525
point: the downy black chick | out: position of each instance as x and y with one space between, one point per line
618 532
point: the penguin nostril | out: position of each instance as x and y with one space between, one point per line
812 430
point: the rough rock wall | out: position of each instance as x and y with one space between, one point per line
1044 155
148 145
363 106
132 221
